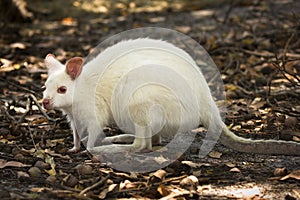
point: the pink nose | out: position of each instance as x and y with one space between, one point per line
46 103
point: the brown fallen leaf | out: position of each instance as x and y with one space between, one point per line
52 153
160 160
4 163
157 176
22 174
215 154
235 169
127 185
230 164
294 174
195 165
282 171
104 192
296 139
163 190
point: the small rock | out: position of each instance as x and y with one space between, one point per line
51 179
84 169
34 172
41 165
290 122
15 151
70 180
19 157
190 182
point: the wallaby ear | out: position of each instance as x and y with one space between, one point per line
74 67
52 64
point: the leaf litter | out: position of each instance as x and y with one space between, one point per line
256 47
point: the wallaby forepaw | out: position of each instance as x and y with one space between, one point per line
74 149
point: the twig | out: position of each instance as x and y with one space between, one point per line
28 103
18 86
265 54
296 193
286 47
31 135
95 185
228 12
4 109
40 108
284 72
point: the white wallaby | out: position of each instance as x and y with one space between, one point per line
106 91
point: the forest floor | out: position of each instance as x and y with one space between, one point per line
256 46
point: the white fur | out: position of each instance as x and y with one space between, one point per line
118 87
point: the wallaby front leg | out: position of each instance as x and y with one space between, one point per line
143 139
76 140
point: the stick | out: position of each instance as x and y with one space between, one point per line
94 185
33 98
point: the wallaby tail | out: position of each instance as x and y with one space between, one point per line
275 147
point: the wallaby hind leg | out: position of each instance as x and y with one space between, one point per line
156 140
128 139
123 138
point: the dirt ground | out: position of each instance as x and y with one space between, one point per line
256 47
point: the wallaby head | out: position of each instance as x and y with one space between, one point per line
58 93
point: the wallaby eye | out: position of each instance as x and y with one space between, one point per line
62 90
43 87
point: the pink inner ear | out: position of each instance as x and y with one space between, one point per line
74 67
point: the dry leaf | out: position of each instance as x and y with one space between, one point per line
104 192
22 174
159 175
197 173
127 185
163 191
38 189
280 171
52 153
51 172
294 174
230 164
215 154
30 151
195 165
160 160
112 187
296 139
235 169
4 163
